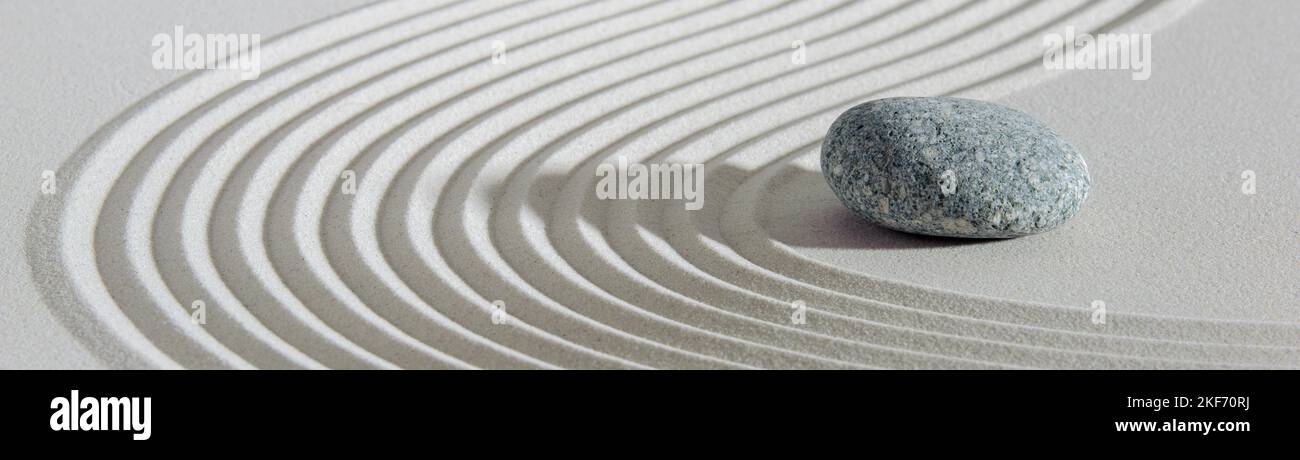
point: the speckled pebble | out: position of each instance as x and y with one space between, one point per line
953 167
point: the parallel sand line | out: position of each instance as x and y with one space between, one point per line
361 248
270 135
385 177
573 297
387 330
306 216
876 352
280 155
670 272
395 154
319 40
512 181
60 242
744 216
743 224
302 192
208 138
742 230
229 105
420 216
580 303
403 273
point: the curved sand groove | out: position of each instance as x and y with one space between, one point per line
743 230
626 232
308 211
272 152
364 15
246 232
740 230
397 153
753 309
421 214
367 201
631 257
62 239
699 319
572 301
195 234
257 205
474 185
511 181
212 135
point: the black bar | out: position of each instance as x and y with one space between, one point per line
287 407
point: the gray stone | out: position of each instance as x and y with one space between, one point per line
953 167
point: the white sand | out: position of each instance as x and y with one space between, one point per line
476 180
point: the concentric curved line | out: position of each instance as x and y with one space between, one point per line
760 184
307 209
367 133
310 216
60 227
624 323
474 185
276 158
572 300
325 40
262 132
367 174
366 224
251 241
418 217
195 236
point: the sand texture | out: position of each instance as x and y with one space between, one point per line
474 238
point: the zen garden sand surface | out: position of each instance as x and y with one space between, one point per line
413 184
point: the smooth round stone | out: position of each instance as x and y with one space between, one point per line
953 167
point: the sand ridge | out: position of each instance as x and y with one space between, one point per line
475 188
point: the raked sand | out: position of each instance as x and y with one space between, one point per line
474 196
